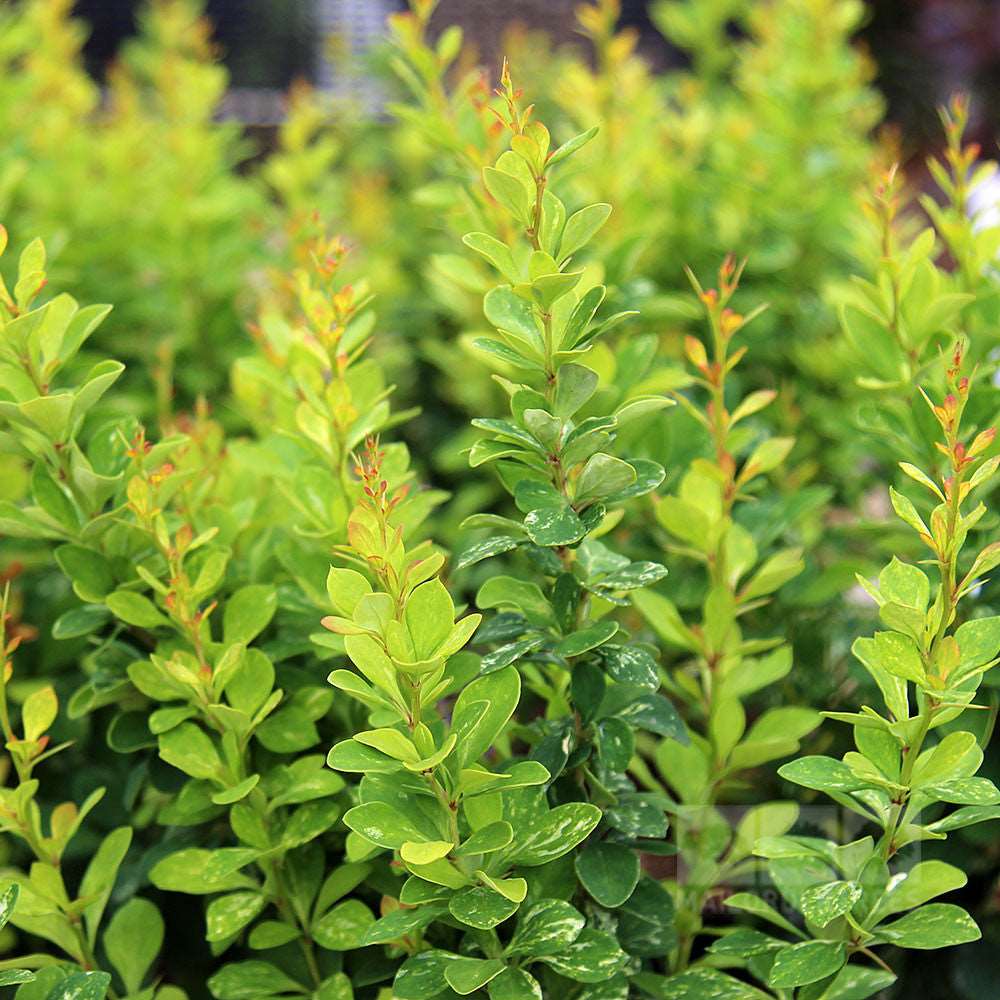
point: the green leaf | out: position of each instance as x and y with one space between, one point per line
466 975
588 638
554 833
956 756
383 825
345 587
195 871
766 456
7 903
824 774
631 665
39 712
272 934
592 958
401 923
487 839
188 748
514 984
609 872
420 977
749 903
772 819
646 925
250 980
580 228
228 915
936 925
497 253
349 755
554 526
336 987
545 928
429 615
133 940
134 609
248 612
708 984
485 549
509 192
14 977
569 147
481 907
99 878
967 816
649 711
632 577
482 710
853 982
288 730
82 986
897 654
575 384
508 311
922 882
805 962
237 792
822 904
978 641
90 572
905 584
602 477
344 927
80 621
522 595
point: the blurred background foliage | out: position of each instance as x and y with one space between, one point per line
171 154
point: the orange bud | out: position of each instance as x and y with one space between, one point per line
696 354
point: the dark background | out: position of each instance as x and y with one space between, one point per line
925 49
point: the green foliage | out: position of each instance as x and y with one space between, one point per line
286 722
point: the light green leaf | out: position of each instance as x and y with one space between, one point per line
825 774
806 962
709 984
897 654
592 958
580 228
822 904
586 639
481 907
603 476
575 384
248 612
250 980
922 882
420 977
481 711
134 609
345 587
545 928
133 940
936 925
228 915
514 984
188 748
554 833
82 986
466 975
344 927
99 878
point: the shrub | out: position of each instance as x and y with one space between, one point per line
538 675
